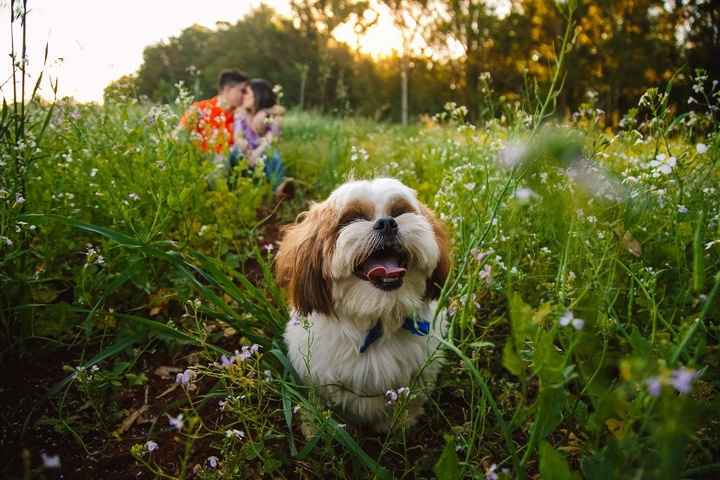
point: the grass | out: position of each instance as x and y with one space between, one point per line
124 266
584 298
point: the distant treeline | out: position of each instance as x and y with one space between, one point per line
619 49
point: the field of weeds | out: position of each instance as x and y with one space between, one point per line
141 321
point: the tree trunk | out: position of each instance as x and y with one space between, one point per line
404 70
404 90
303 79
472 80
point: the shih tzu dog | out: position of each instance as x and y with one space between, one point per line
363 270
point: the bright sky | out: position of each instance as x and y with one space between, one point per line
93 42
379 40
101 40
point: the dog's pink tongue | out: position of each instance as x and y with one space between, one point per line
384 268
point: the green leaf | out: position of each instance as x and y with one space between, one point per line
331 426
271 464
602 464
548 361
169 332
511 360
252 450
480 344
549 410
120 345
136 379
349 442
487 395
553 465
521 316
448 465
698 278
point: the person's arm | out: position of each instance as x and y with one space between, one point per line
259 122
272 131
240 142
274 125
277 110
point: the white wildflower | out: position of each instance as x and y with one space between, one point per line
512 154
176 422
486 274
709 245
524 194
50 461
185 377
568 318
233 433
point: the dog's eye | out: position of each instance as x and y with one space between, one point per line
351 217
401 208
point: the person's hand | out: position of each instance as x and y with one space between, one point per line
240 114
259 122
277 110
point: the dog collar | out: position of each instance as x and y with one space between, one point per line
411 324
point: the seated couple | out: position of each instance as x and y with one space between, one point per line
240 123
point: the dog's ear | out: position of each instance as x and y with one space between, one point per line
437 280
303 260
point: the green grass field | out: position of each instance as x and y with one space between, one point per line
584 299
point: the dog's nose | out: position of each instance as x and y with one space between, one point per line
386 225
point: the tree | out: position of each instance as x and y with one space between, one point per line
316 20
322 17
471 25
620 48
412 18
122 88
701 22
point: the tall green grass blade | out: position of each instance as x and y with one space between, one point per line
121 345
167 332
487 393
288 373
448 465
118 282
338 432
187 269
699 254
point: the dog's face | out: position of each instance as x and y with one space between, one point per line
370 250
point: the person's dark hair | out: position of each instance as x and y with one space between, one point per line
231 77
264 95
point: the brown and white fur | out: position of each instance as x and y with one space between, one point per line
323 261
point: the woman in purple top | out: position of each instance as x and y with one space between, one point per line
256 126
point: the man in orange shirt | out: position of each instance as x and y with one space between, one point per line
210 122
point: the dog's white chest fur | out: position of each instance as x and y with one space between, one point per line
326 353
